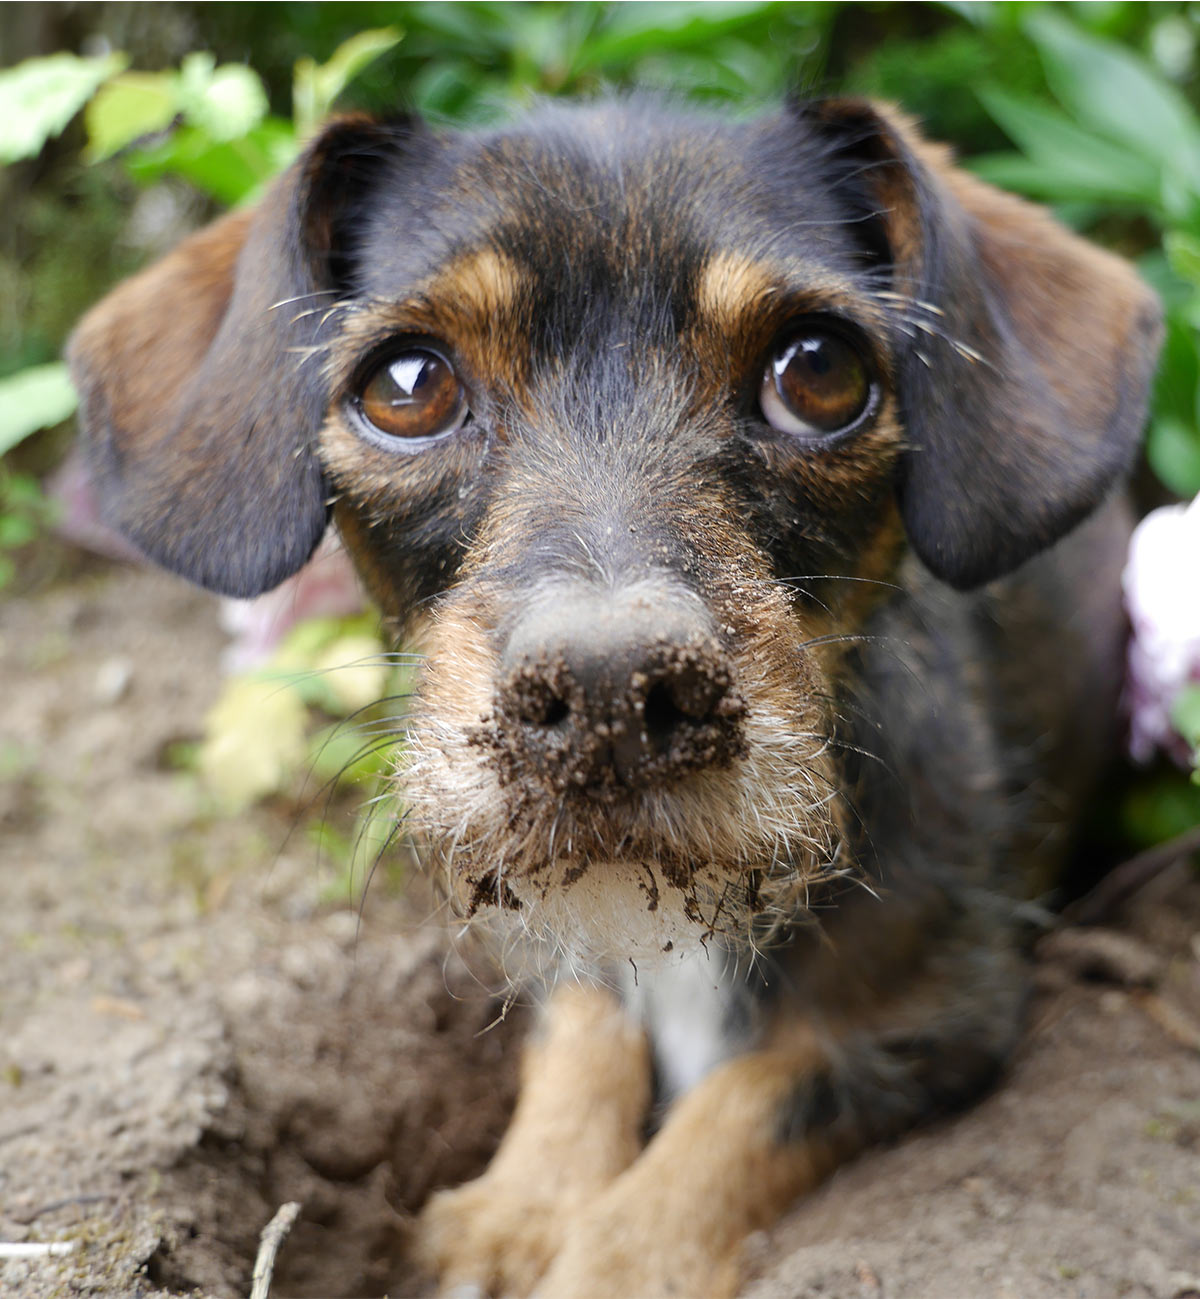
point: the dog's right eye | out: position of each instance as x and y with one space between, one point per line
817 384
412 397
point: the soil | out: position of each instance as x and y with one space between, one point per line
200 1020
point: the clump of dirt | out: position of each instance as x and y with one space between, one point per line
196 1026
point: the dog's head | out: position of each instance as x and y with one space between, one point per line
628 416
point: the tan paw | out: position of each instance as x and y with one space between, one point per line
623 1249
488 1238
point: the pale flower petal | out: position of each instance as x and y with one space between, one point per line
1162 595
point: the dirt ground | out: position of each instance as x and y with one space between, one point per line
196 1026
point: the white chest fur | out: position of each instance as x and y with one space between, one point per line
697 1013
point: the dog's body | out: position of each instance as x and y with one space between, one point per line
712 466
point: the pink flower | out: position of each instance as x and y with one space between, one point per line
1162 594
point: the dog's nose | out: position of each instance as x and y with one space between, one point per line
600 689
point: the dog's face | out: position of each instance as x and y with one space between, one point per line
629 418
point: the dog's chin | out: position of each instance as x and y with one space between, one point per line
617 910
724 855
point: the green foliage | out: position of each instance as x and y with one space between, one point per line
1186 717
257 733
40 96
1123 143
221 104
1159 807
29 400
317 86
32 399
222 141
24 513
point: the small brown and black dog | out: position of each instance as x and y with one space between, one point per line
743 485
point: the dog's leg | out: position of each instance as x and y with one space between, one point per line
764 1128
585 1090
672 1224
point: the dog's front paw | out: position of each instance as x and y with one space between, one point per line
626 1246
491 1237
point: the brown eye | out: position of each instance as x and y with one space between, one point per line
817 383
413 395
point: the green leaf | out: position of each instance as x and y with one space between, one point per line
343 754
635 31
126 108
1173 449
1024 175
1185 715
355 671
1183 253
225 103
16 530
1074 163
253 740
1178 378
315 86
39 397
40 96
232 172
1159 807
1112 90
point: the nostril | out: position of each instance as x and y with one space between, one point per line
661 716
554 713
684 699
537 694
697 688
540 708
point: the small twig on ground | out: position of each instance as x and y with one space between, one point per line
35 1249
273 1236
1123 881
29 1215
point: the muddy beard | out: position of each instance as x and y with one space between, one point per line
728 854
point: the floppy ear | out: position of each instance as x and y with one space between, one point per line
200 381
1027 352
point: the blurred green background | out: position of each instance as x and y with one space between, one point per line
124 125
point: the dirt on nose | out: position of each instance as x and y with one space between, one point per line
605 732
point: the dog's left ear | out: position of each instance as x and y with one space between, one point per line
200 378
1024 376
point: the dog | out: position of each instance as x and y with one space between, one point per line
753 491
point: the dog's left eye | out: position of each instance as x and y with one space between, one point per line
816 384
413 396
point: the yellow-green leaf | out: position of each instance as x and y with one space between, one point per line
315 86
225 102
39 397
354 670
253 740
40 96
128 107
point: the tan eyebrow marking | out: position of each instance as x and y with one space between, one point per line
486 282
730 286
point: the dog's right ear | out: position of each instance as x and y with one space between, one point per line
1033 408
200 378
